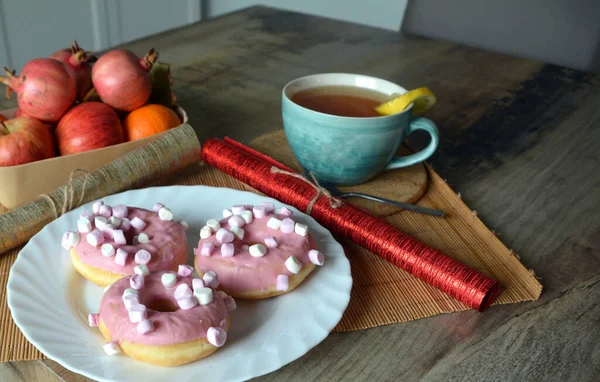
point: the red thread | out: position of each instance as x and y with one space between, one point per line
432 266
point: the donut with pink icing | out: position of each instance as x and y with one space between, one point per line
164 318
112 242
257 251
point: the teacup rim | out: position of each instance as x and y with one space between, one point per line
340 117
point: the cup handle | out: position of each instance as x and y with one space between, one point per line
417 124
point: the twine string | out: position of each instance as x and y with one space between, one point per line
333 202
68 195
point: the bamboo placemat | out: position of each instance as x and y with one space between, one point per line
382 294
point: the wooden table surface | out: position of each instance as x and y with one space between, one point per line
519 141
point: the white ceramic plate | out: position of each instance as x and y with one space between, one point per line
50 301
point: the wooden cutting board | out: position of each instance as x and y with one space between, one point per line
403 185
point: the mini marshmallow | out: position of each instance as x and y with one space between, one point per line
259 212
301 229
137 223
187 303
96 206
236 221
203 295
70 240
316 257
111 348
84 225
138 313
271 242
287 225
120 211
184 270
245 247
169 279
258 250
107 231
107 250
216 336
268 206
88 215
207 249
125 224
238 209
197 283
121 257
213 224
205 232
131 300
100 222
229 303
223 324
95 238
143 238
210 279
141 269
227 213
224 236
227 250
247 216
165 214
144 327
119 237
142 257
283 283
93 319
182 291
284 211
114 221
105 210
129 292
136 281
274 223
293 265
238 232
157 207
184 224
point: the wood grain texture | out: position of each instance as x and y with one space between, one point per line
519 140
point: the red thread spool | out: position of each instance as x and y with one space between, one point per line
435 268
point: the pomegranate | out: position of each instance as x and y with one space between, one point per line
24 140
77 62
88 126
122 80
45 89
20 113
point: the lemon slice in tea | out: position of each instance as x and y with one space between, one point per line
422 98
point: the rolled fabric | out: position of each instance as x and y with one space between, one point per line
432 266
174 150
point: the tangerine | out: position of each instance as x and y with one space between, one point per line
149 120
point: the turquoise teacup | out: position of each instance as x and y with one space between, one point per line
348 150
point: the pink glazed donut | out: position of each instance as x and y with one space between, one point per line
164 318
112 242
256 251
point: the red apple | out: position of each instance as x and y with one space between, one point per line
3 117
88 126
24 140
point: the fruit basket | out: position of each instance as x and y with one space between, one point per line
23 183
